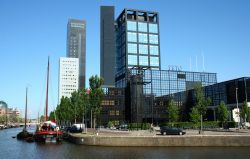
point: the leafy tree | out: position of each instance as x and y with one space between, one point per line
222 112
244 113
201 101
2 119
95 96
76 103
13 118
194 116
52 116
42 118
65 111
172 111
84 104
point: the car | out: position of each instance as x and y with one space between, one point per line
123 127
165 130
76 128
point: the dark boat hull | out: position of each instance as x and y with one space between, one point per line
23 135
48 136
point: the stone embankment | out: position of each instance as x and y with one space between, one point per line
146 138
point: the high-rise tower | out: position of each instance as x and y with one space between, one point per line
76 46
137 42
68 76
107 43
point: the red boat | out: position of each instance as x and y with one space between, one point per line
48 131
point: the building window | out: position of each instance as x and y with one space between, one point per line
142 27
143 49
154 61
111 112
132 48
143 38
131 26
132 37
153 39
154 50
153 28
132 60
117 113
143 60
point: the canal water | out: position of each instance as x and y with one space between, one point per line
11 148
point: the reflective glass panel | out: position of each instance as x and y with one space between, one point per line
153 28
131 25
132 37
143 60
153 39
143 49
154 50
154 61
132 60
143 38
132 48
142 27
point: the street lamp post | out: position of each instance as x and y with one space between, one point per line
238 112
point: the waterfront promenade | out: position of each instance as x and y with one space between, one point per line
216 137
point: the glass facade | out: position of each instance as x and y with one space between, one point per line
153 28
154 50
165 82
142 27
131 26
153 39
132 48
143 60
154 61
132 60
137 42
132 37
143 49
143 38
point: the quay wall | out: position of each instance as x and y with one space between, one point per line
172 141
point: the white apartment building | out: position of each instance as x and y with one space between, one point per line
68 76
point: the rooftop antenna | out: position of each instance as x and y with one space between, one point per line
203 65
190 64
196 63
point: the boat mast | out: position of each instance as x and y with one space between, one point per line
25 120
47 92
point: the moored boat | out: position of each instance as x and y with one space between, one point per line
48 131
24 134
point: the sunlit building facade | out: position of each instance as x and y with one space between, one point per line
68 76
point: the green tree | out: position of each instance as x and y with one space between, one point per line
76 102
42 118
65 111
244 113
13 118
201 102
172 111
222 112
52 116
95 96
194 116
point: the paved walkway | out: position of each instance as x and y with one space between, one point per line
214 132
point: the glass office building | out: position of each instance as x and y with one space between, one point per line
137 42
164 82
76 46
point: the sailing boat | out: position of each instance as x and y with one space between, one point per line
48 131
25 134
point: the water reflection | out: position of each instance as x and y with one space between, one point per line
12 148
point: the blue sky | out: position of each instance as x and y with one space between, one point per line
30 30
